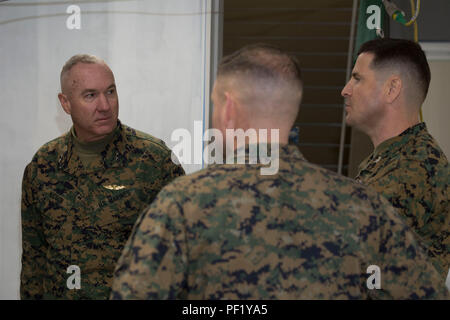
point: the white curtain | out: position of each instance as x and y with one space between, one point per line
157 49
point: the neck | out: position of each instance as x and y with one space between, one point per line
390 127
93 139
264 135
90 138
91 143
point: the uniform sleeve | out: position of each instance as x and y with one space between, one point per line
171 168
33 243
408 189
406 271
421 197
153 262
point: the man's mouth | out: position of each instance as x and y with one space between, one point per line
102 119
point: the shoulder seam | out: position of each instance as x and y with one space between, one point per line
51 145
147 137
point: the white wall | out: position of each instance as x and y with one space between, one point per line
436 108
158 51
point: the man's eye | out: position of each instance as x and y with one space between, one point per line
111 91
89 96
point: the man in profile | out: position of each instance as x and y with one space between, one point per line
303 232
383 98
82 192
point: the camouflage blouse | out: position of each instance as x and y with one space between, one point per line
83 217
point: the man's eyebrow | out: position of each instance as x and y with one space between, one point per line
95 90
88 90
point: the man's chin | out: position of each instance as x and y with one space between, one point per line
106 123
104 128
348 121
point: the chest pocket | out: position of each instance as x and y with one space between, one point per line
55 207
109 222
378 171
117 204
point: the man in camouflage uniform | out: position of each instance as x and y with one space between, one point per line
82 192
383 98
229 232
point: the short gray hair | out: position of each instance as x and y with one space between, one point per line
262 61
78 58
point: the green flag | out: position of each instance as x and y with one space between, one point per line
372 22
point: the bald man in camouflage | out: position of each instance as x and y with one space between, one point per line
389 83
230 232
82 192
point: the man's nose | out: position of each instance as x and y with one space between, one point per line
346 91
103 103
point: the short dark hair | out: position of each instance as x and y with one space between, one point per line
389 53
262 61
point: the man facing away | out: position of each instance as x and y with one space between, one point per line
389 83
82 192
303 232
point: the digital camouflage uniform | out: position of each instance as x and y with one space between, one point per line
227 232
75 216
412 172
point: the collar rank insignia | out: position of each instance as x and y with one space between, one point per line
114 187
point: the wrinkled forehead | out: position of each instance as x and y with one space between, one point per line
365 66
364 61
90 70
88 74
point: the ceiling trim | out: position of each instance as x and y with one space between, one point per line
436 50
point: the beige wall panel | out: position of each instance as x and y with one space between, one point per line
436 109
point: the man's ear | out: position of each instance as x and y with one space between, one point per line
229 111
65 103
394 86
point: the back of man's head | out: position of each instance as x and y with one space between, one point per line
265 79
407 59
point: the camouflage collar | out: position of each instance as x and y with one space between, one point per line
285 151
393 145
292 150
112 156
93 147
